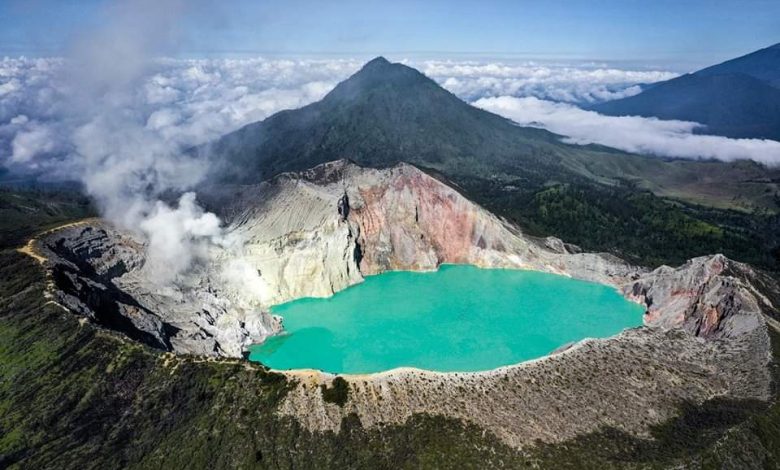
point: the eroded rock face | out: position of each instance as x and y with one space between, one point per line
320 231
99 273
708 296
629 382
314 233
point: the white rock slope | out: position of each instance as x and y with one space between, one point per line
320 231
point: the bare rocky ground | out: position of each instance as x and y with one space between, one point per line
317 232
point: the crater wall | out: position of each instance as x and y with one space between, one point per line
316 232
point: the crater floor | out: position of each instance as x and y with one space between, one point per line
315 233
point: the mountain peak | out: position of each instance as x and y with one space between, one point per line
378 61
378 73
377 66
763 64
386 70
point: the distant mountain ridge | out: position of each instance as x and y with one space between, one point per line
739 98
763 64
592 196
388 113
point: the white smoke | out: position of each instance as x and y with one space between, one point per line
34 140
124 166
178 236
184 102
125 163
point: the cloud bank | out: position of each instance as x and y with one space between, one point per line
582 84
634 134
178 103
189 102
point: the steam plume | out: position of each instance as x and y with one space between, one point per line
125 165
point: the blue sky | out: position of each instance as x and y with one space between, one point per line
680 34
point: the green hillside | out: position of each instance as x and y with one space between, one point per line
73 395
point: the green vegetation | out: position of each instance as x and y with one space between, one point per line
635 224
337 393
23 212
75 396
715 435
756 441
683 440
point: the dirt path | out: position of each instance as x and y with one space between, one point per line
31 247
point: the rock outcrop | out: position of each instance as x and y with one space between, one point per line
98 272
316 232
338 222
313 233
709 296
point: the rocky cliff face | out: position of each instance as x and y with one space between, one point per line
709 296
98 272
629 382
396 218
322 230
313 233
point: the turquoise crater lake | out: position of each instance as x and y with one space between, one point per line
459 318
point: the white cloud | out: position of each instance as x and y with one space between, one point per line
181 102
20 120
175 103
584 83
121 130
32 141
9 87
630 133
189 102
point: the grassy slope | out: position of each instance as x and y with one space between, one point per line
23 212
740 185
73 396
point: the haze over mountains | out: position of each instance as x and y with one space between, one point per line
738 98
387 113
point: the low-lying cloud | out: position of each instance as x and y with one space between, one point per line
149 111
189 102
583 83
180 102
648 136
